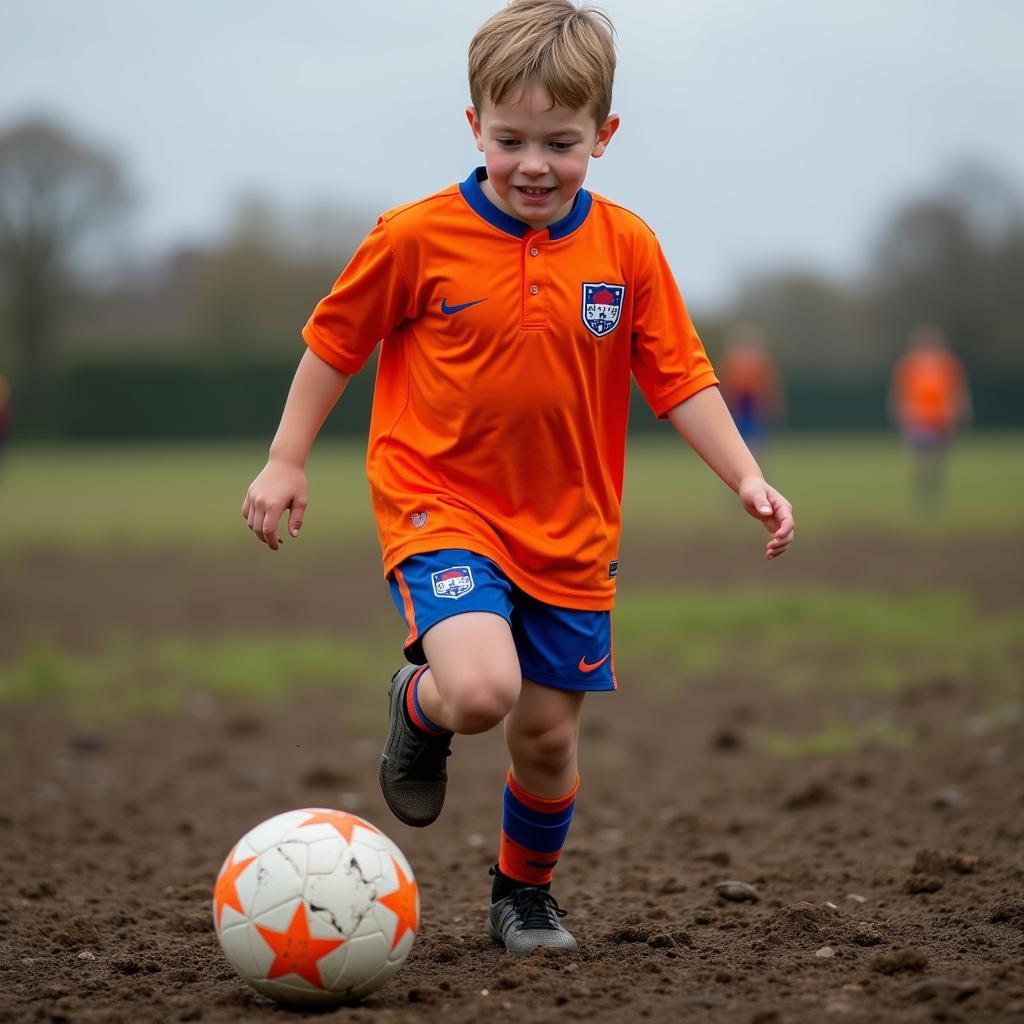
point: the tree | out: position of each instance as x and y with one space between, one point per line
54 191
955 258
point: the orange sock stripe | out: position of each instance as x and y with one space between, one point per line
410 705
546 805
515 861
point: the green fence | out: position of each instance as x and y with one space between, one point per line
185 398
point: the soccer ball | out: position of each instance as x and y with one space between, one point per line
316 907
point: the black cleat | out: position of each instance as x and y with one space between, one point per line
528 918
413 774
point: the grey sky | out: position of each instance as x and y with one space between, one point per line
753 132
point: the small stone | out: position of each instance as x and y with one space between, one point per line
476 840
829 903
87 954
737 892
825 952
856 897
485 991
947 799
703 1002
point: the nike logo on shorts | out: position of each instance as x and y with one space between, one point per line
448 310
585 667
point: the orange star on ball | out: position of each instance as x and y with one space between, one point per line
341 820
296 951
225 891
404 902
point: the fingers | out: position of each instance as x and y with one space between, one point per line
295 516
263 518
782 524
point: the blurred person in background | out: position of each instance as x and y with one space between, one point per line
751 383
928 400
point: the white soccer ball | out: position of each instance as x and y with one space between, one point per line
316 907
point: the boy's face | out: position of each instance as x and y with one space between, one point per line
537 154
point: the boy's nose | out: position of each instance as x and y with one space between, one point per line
534 164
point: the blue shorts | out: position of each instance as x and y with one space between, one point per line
567 648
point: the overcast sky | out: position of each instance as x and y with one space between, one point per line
753 134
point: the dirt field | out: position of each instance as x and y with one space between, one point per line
891 881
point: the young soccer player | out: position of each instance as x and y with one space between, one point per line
929 399
513 308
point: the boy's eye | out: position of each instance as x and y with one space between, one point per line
508 143
562 146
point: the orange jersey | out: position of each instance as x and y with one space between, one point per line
929 389
747 371
502 391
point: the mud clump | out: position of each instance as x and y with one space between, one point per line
802 924
938 862
903 960
917 884
1009 909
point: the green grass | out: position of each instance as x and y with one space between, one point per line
810 638
131 675
188 496
837 738
792 639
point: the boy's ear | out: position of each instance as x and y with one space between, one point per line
474 124
605 133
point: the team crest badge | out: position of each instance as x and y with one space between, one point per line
453 582
602 306
418 519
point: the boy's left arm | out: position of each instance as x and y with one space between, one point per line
704 422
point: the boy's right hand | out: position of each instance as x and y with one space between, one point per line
279 486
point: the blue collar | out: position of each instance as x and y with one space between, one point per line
477 199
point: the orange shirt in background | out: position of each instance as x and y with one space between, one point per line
502 392
748 373
929 389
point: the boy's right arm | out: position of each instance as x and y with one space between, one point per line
281 485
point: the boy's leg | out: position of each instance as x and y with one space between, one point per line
542 733
469 683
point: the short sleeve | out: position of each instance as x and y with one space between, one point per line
667 357
370 298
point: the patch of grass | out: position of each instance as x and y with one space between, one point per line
813 638
836 739
177 496
130 675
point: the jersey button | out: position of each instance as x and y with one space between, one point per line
534 288
535 251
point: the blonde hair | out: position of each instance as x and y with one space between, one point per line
569 50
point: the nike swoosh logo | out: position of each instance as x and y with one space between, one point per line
584 667
448 310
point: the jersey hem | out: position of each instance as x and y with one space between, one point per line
434 542
328 354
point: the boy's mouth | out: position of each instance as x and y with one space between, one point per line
533 192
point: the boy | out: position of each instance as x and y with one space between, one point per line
929 400
512 309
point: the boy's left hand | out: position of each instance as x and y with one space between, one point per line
763 502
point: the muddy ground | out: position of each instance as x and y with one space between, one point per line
890 882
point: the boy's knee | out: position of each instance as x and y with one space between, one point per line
480 700
548 749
